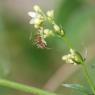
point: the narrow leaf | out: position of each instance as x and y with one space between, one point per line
77 87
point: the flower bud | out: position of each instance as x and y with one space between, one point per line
47 33
56 28
73 57
50 14
37 8
38 21
61 32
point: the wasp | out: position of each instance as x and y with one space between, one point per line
39 41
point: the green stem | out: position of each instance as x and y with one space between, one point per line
67 42
85 70
24 88
86 74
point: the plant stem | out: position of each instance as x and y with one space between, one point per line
25 88
86 74
84 67
67 42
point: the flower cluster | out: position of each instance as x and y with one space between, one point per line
73 57
45 26
41 23
37 18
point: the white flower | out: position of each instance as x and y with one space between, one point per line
36 8
37 19
47 33
32 14
68 58
72 51
71 57
50 14
56 28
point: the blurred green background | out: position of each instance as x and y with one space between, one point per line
21 62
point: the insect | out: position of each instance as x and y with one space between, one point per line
39 41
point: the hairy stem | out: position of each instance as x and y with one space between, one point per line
25 88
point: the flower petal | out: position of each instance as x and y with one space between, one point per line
32 21
32 14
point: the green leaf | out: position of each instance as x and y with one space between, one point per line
77 87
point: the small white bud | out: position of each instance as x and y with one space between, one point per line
64 57
70 61
37 21
61 32
47 33
36 26
36 8
50 14
56 28
51 33
32 21
73 57
72 51
32 14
